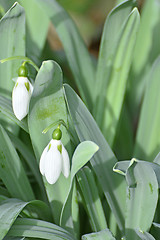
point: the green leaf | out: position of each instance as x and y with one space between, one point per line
11 170
35 37
148 134
47 106
142 191
112 31
29 158
6 110
146 51
39 229
91 199
112 184
111 89
11 208
12 43
77 55
122 166
83 153
9 211
4 192
15 238
149 18
104 234
14 39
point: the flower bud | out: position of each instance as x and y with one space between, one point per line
21 96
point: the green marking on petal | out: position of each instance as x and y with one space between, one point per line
27 86
59 147
49 146
16 84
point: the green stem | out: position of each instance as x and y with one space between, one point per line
53 124
26 59
60 122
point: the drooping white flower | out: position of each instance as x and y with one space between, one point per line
54 160
21 96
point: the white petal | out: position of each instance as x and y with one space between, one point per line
21 97
42 160
65 162
53 164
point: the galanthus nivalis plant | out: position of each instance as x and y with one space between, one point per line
102 103
54 159
21 94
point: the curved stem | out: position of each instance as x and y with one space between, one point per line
26 59
59 122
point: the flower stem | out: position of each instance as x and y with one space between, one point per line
53 124
26 60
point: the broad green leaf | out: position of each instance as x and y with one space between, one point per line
83 153
47 106
39 229
142 191
77 55
12 42
91 199
35 36
114 80
104 234
9 211
6 110
11 170
148 134
113 186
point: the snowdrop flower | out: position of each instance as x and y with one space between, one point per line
21 94
54 159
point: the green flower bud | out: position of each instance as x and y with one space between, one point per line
57 134
23 71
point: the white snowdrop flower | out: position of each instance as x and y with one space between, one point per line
54 159
21 96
